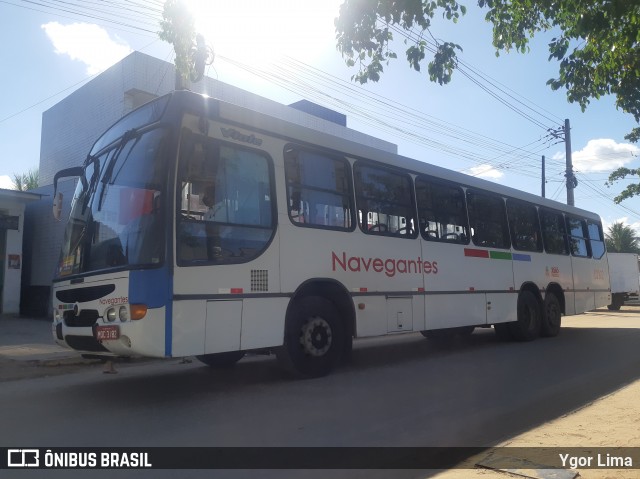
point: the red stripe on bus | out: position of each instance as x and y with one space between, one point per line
476 253
236 290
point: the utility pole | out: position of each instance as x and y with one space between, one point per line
564 134
543 176
572 182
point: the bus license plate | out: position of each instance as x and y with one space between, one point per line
107 332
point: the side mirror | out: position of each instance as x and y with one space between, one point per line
57 206
57 196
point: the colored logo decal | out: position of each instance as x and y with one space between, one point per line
481 253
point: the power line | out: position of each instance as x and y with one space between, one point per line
369 109
484 82
84 80
286 77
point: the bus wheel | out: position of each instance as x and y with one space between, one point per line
313 338
551 316
527 326
617 300
221 360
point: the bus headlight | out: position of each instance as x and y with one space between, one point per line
123 313
111 315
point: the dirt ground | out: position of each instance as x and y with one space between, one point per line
606 422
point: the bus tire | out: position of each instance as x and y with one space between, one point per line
527 326
221 360
617 300
551 316
314 338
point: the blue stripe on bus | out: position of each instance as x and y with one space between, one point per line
150 287
153 288
521 257
168 321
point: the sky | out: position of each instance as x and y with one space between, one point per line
493 120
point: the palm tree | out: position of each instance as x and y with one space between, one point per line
622 238
25 181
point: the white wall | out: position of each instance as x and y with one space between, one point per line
13 277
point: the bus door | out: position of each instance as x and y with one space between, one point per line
557 264
488 257
450 300
453 280
224 225
582 264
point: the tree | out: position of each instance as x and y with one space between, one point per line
622 239
25 181
597 46
178 28
631 190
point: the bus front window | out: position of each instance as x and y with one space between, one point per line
226 214
117 220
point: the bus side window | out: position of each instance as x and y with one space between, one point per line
554 236
524 226
488 220
578 235
442 211
596 239
384 199
318 189
296 207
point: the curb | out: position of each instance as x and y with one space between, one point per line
51 362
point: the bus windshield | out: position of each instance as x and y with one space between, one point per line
116 216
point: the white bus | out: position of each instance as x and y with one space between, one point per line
200 228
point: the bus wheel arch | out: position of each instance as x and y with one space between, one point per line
318 329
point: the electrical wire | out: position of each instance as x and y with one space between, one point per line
401 121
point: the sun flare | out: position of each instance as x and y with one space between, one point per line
258 31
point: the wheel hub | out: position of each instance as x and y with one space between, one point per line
316 337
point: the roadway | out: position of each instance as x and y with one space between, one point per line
398 391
